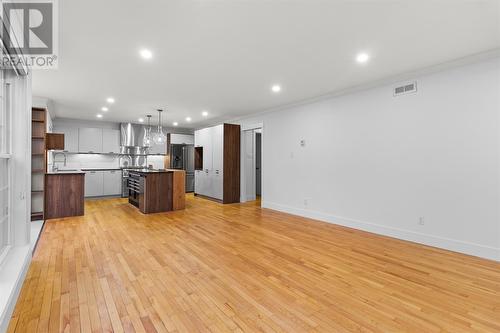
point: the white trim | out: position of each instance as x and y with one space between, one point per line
478 250
12 274
243 185
247 127
5 156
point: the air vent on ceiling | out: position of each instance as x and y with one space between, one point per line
406 89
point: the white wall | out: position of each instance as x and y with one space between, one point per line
378 163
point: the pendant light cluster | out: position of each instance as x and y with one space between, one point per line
157 137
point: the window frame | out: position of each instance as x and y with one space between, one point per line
6 114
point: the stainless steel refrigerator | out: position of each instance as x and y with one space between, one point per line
182 157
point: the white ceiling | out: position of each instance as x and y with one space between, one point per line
224 55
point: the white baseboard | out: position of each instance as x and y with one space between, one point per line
478 250
12 274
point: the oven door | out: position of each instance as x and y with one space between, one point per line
134 188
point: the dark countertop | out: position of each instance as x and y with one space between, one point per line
62 173
100 169
149 171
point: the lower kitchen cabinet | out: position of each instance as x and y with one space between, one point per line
103 183
112 182
94 184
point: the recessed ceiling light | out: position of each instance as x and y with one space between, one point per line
104 108
175 123
204 113
276 88
99 116
146 54
188 119
110 100
141 120
362 58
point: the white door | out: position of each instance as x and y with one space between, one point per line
206 143
90 140
208 183
70 138
110 141
198 181
249 164
93 183
112 182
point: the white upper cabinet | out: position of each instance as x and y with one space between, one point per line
217 148
158 149
70 138
90 140
110 141
186 139
205 138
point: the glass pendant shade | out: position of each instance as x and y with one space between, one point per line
159 137
148 140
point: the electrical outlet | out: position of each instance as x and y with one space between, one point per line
421 220
302 143
306 202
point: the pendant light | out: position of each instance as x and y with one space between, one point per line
159 137
148 140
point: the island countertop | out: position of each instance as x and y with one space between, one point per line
65 172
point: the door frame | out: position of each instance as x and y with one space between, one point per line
243 184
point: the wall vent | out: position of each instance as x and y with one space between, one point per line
406 89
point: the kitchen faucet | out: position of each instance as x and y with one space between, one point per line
54 167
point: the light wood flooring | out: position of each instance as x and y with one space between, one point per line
240 268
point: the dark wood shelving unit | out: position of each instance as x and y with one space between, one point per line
198 158
38 161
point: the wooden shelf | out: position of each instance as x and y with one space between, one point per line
36 216
38 154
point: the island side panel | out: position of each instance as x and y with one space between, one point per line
64 195
158 192
179 190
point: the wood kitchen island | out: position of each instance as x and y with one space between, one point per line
155 191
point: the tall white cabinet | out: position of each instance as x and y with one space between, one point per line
217 162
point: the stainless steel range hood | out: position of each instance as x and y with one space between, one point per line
132 139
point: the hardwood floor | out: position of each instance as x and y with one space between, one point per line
234 268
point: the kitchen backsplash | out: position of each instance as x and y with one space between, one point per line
82 161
